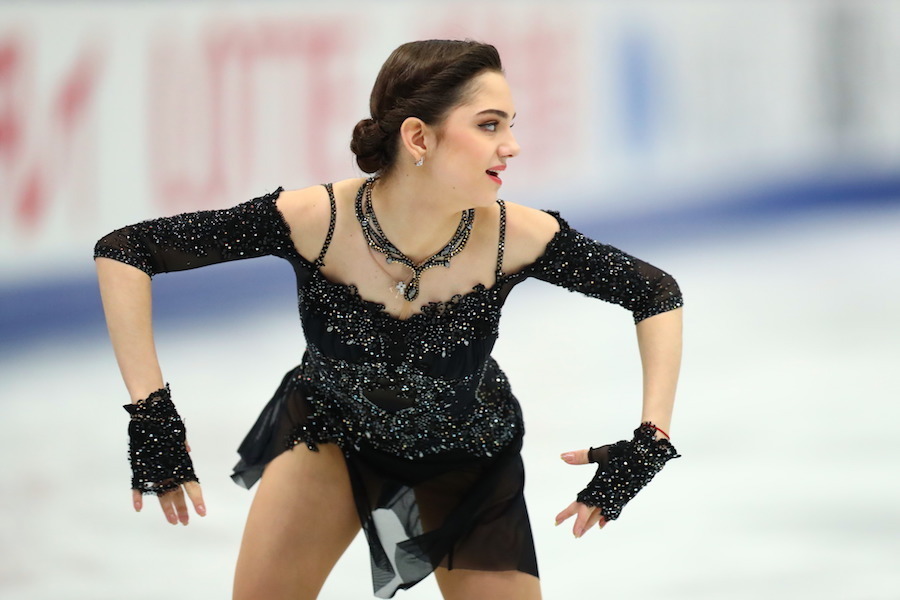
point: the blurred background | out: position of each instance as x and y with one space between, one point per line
751 148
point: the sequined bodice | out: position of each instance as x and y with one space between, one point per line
448 339
413 387
417 383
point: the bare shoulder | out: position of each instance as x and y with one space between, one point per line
307 212
528 231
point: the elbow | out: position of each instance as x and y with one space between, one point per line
657 309
117 247
667 292
111 270
666 284
664 297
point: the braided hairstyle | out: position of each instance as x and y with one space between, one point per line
423 79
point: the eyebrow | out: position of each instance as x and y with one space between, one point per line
493 111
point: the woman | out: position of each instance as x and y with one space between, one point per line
398 419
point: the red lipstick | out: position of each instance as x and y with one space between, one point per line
493 173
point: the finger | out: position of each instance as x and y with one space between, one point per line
594 519
568 512
167 504
137 500
196 495
575 457
180 505
581 519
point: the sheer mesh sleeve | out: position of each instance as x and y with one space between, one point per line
578 263
191 240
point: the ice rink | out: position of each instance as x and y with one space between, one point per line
787 419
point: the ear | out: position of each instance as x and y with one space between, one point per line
413 135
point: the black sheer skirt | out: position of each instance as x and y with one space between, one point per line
450 510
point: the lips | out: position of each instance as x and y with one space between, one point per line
494 172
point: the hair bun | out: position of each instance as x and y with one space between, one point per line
424 79
368 144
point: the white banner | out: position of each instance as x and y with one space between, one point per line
115 112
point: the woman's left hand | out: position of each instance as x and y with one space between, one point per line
585 516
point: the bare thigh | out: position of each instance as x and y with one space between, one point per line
302 519
464 584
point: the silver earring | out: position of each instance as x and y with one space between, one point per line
421 161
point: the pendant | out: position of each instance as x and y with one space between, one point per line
411 289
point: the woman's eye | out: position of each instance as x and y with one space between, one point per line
492 126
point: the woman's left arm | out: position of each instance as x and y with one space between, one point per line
580 264
659 341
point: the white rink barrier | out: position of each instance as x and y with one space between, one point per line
115 112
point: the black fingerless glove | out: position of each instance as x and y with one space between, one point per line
624 468
159 460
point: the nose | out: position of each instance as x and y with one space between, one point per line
510 147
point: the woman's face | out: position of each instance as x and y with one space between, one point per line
474 143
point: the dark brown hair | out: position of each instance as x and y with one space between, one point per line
424 79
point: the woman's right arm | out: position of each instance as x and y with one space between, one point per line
126 259
126 296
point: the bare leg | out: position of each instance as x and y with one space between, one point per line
302 519
464 584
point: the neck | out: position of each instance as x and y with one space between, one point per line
414 219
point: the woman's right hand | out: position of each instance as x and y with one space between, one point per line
173 503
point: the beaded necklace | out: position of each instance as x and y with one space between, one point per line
377 240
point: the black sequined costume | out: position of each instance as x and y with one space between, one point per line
429 427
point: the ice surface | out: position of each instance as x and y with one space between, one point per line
787 416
